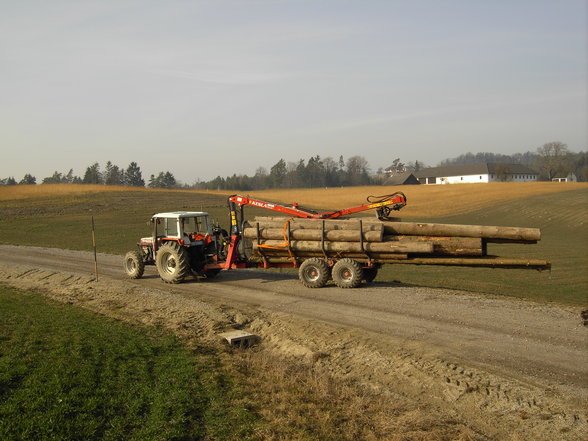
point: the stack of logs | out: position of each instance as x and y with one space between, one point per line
280 239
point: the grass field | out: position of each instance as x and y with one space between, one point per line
62 219
66 373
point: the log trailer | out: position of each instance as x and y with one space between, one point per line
186 243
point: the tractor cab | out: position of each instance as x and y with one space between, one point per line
187 228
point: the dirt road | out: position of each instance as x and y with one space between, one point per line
509 368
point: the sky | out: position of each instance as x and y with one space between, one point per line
214 87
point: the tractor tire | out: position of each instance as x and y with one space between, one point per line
369 274
134 265
173 263
347 273
314 273
212 273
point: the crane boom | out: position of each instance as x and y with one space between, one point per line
382 204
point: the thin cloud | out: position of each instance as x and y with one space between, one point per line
225 77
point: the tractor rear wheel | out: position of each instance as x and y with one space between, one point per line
314 273
347 273
134 265
173 263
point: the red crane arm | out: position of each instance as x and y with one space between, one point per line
382 204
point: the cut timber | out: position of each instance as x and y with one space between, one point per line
308 234
271 254
388 258
312 224
498 233
351 247
451 246
485 262
504 234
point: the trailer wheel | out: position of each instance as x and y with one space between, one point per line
134 265
347 273
172 263
314 273
369 274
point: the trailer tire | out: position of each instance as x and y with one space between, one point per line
134 265
314 273
369 274
347 273
173 263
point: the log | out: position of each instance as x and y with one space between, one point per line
308 234
350 247
485 262
271 253
313 224
392 258
503 234
411 228
452 246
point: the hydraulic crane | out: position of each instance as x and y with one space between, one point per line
382 204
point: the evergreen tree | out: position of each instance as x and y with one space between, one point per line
56 178
93 175
113 175
133 176
278 174
28 180
162 180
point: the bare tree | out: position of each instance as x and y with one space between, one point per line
553 159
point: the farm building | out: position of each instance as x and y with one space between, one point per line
406 178
569 178
474 173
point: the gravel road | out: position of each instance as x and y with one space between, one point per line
504 365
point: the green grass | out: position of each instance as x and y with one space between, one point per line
67 374
121 218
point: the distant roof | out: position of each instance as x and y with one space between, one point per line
474 169
181 214
402 179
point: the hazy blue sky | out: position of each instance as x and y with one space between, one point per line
206 88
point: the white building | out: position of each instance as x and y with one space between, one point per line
571 177
476 173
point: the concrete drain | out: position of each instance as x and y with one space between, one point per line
239 339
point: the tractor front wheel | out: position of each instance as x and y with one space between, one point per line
134 265
173 263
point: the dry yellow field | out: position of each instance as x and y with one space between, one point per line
423 200
13 192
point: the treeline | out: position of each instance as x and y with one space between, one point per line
111 175
553 159
311 173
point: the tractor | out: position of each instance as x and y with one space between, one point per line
182 243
